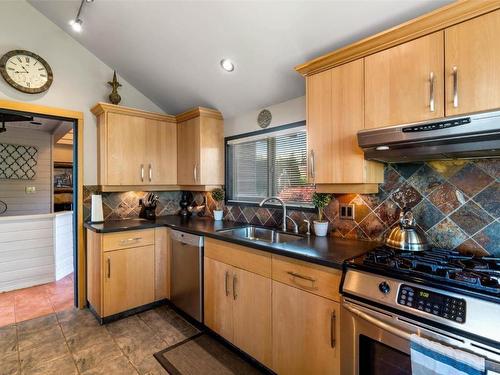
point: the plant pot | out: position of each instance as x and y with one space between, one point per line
218 214
320 228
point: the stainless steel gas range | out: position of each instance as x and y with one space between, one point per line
441 295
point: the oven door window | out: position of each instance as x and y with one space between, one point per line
376 358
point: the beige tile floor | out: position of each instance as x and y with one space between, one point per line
72 342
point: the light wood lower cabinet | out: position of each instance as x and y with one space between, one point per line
305 332
128 279
127 269
238 307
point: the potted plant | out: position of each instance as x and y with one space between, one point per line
218 197
320 201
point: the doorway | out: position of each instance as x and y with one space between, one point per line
39 195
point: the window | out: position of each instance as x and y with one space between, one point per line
268 163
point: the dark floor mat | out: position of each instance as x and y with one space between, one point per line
203 354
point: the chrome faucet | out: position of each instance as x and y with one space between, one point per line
295 226
283 225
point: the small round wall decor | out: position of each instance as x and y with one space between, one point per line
264 118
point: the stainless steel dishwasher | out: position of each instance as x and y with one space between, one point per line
186 273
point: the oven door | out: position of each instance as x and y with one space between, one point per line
376 342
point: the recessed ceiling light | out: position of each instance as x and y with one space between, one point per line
382 148
76 25
227 65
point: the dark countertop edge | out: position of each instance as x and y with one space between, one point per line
215 235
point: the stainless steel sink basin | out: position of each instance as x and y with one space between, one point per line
253 233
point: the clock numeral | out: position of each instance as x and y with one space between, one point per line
41 68
28 84
43 75
12 62
27 59
11 68
36 62
19 59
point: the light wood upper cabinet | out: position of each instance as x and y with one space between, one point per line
161 152
135 148
305 332
200 141
128 279
123 153
335 113
398 84
472 48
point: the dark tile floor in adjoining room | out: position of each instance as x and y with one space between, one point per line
72 342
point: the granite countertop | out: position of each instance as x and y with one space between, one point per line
327 251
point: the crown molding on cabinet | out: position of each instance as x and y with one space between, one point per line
198 112
100 108
436 20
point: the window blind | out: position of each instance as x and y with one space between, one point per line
270 164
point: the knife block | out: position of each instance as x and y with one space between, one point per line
147 212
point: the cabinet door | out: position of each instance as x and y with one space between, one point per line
162 263
125 150
320 132
211 152
218 301
472 48
398 85
188 144
252 315
161 152
128 278
305 332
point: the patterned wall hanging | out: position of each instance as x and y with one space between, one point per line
18 162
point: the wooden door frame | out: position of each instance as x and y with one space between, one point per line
76 117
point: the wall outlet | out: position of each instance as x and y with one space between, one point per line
30 189
347 211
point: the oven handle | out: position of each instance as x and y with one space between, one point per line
395 331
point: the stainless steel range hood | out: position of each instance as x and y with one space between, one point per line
473 136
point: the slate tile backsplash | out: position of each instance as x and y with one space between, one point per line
457 204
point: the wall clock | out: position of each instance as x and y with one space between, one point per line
26 71
264 118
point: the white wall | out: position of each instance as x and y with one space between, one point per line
80 78
293 110
63 244
13 192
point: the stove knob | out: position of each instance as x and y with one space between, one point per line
384 287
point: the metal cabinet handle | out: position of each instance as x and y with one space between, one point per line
225 283
455 87
150 173
432 105
128 240
235 295
333 319
142 172
312 172
195 172
303 277
109 268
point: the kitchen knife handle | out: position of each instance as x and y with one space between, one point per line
333 319
455 87
432 105
142 172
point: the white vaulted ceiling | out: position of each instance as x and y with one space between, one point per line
170 50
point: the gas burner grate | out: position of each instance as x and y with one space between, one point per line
481 273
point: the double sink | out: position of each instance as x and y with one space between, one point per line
253 233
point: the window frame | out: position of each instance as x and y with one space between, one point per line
229 167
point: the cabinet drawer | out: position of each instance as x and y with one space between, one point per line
313 278
246 258
127 239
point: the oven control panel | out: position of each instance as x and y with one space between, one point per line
433 303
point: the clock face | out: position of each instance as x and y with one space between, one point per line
26 71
